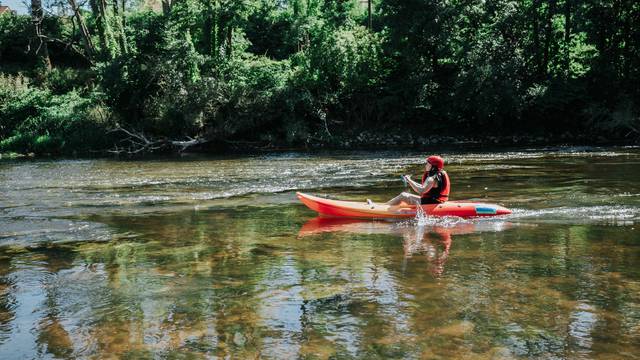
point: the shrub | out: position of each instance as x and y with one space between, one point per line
38 121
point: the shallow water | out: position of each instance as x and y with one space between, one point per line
214 257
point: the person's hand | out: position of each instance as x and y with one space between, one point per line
406 180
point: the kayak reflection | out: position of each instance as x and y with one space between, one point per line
431 240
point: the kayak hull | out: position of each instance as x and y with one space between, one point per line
362 210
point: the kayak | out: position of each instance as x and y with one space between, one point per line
363 210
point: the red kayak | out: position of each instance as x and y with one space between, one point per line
363 210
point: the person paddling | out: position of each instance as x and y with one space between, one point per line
433 189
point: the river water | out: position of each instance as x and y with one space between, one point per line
203 257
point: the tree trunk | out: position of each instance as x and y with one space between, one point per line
166 7
434 60
369 13
119 17
567 37
41 51
547 38
220 36
536 38
86 36
207 29
628 42
229 40
99 14
612 30
124 13
215 23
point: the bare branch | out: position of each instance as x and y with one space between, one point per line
184 145
137 142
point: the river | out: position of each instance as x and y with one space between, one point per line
207 257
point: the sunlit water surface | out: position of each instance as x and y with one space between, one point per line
214 257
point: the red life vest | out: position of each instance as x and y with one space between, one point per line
438 194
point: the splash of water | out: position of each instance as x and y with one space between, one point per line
603 215
421 218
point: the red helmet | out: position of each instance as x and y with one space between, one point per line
436 161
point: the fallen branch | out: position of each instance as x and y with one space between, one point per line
136 142
184 145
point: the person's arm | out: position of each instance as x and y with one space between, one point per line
418 188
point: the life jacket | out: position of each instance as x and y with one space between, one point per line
438 194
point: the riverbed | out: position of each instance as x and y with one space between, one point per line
202 257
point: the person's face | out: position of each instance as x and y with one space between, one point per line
427 167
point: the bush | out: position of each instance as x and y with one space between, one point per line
243 98
339 79
38 121
64 80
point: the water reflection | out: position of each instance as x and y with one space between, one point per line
261 283
431 238
103 259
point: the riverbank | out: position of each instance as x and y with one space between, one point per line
367 141
188 75
361 141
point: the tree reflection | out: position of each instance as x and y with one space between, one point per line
7 298
52 336
261 283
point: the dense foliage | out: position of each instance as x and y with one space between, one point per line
295 72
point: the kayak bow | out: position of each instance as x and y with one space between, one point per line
363 210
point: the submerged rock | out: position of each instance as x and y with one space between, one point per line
458 329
